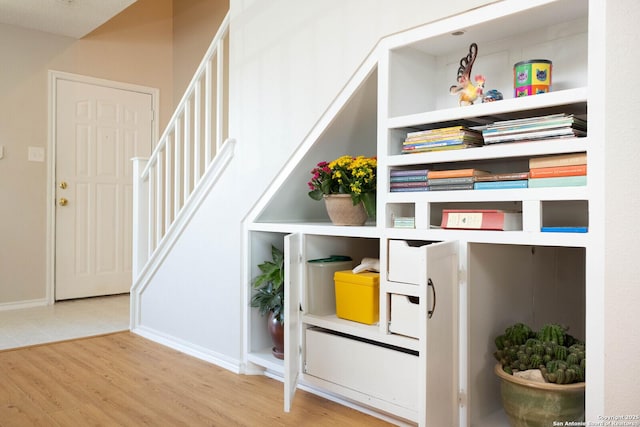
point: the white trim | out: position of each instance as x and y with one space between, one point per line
185 347
18 305
53 78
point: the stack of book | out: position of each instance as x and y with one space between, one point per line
449 138
453 179
561 170
408 180
502 181
535 128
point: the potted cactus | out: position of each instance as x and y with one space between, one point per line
542 375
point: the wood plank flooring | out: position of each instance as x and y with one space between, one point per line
125 380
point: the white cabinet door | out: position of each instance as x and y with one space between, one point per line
440 334
293 271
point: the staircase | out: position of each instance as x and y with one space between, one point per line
188 159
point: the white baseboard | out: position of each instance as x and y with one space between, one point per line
199 352
5 306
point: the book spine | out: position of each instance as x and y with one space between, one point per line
409 178
565 181
408 172
407 189
408 184
574 170
558 160
451 187
452 173
515 176
448 181
496 185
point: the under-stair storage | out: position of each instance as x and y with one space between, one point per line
445 291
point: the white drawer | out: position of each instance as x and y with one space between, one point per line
380 372
405 315
407 264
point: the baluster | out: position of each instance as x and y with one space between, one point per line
159 191
140 217
168 183
197 143
177 168
220 94
207 114
187 151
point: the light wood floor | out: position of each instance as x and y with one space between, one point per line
125 380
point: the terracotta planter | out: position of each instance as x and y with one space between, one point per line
276 330
342 211
533 404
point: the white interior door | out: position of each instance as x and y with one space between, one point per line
98 129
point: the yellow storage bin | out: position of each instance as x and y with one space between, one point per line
357 296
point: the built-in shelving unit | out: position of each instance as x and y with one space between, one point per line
484 280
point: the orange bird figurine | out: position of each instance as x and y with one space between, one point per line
467 91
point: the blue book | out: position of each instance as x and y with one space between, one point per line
495 185
566 229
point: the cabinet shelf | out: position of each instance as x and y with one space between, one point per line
497 237
570 101
369 332
495 151
316 228
551 193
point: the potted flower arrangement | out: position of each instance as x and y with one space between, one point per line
348 187
269 298
542 375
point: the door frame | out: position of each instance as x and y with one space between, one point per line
54 76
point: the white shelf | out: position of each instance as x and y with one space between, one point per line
551 193
527 106
369 332
265 359
494 237
316 228
495 151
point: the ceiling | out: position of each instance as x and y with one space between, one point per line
72 18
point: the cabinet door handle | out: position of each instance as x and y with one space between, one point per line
433 308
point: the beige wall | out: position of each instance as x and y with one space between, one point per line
136 46
195 23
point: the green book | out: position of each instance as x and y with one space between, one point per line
564 181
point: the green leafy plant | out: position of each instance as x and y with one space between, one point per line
560 357
269 286
346 175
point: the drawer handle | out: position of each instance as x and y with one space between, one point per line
433 309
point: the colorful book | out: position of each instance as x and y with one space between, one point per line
450 187
481 219
564 181
565 229
408 172
408 184
408 178
511 176
558 160
407 189
572 170
501 185
448 181
455 173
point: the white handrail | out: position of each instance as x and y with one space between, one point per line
185 151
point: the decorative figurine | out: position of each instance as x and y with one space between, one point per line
466 90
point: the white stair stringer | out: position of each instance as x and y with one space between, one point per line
144 280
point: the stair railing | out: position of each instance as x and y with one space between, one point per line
164 183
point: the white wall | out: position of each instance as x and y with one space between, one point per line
622 203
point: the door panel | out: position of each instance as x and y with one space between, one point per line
98 130
293 270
